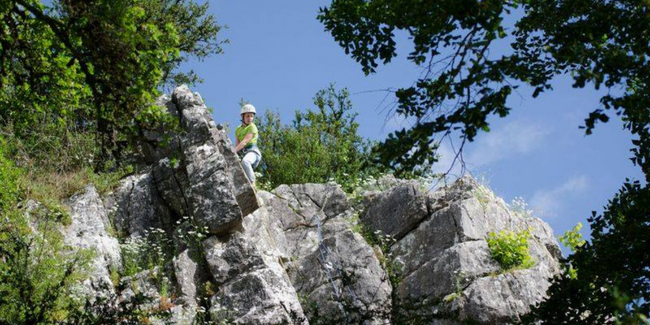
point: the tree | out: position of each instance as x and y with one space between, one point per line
601 43
96 65
320 145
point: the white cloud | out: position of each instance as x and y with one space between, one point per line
514 138
548 203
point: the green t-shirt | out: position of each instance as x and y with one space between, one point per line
242 131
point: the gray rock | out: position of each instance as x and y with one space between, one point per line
292 254
196 120
212 200
333 268
139 207
504 298
143 282
159 143
343 279
230 258
88 230
253 286
328 197
397 211
243 190
190 272
447 274
171 182
257 297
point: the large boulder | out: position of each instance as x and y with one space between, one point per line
332 267
171 183
397 211
253 285
211 196
446 272
243 190
138 207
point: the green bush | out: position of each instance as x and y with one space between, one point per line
510 249
38 273
9 177
321 145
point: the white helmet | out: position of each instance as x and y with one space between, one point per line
248 108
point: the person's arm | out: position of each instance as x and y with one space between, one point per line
244 142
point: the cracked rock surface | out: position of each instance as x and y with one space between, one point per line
296 255
446 272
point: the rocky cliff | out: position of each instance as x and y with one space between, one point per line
217 250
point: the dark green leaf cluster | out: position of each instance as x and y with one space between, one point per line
319 146
463 84
9 175
600 43
611 278
97 65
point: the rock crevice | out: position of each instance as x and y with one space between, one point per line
292 256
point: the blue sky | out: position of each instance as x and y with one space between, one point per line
279 56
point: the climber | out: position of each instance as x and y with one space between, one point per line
246 135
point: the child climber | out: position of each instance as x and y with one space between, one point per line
246 135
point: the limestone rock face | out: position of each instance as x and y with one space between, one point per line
212 201
397 211
334 269
446 270
172 184
242 189
88 230
298 254
138 206
253 285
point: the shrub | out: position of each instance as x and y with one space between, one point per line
9 176
510 249
139 253
319 146
38 273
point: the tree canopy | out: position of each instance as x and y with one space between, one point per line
464 84
97 64
600 43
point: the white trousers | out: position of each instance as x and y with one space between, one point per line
249 162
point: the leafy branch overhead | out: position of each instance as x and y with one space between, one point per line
97 64
464 84
602 44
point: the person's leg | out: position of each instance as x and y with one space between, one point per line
250 159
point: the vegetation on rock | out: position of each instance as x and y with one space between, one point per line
463 85
510 249
320 145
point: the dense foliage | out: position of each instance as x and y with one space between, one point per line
77 82
608 277
39 273
600 43
464 84
95 65
319 146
